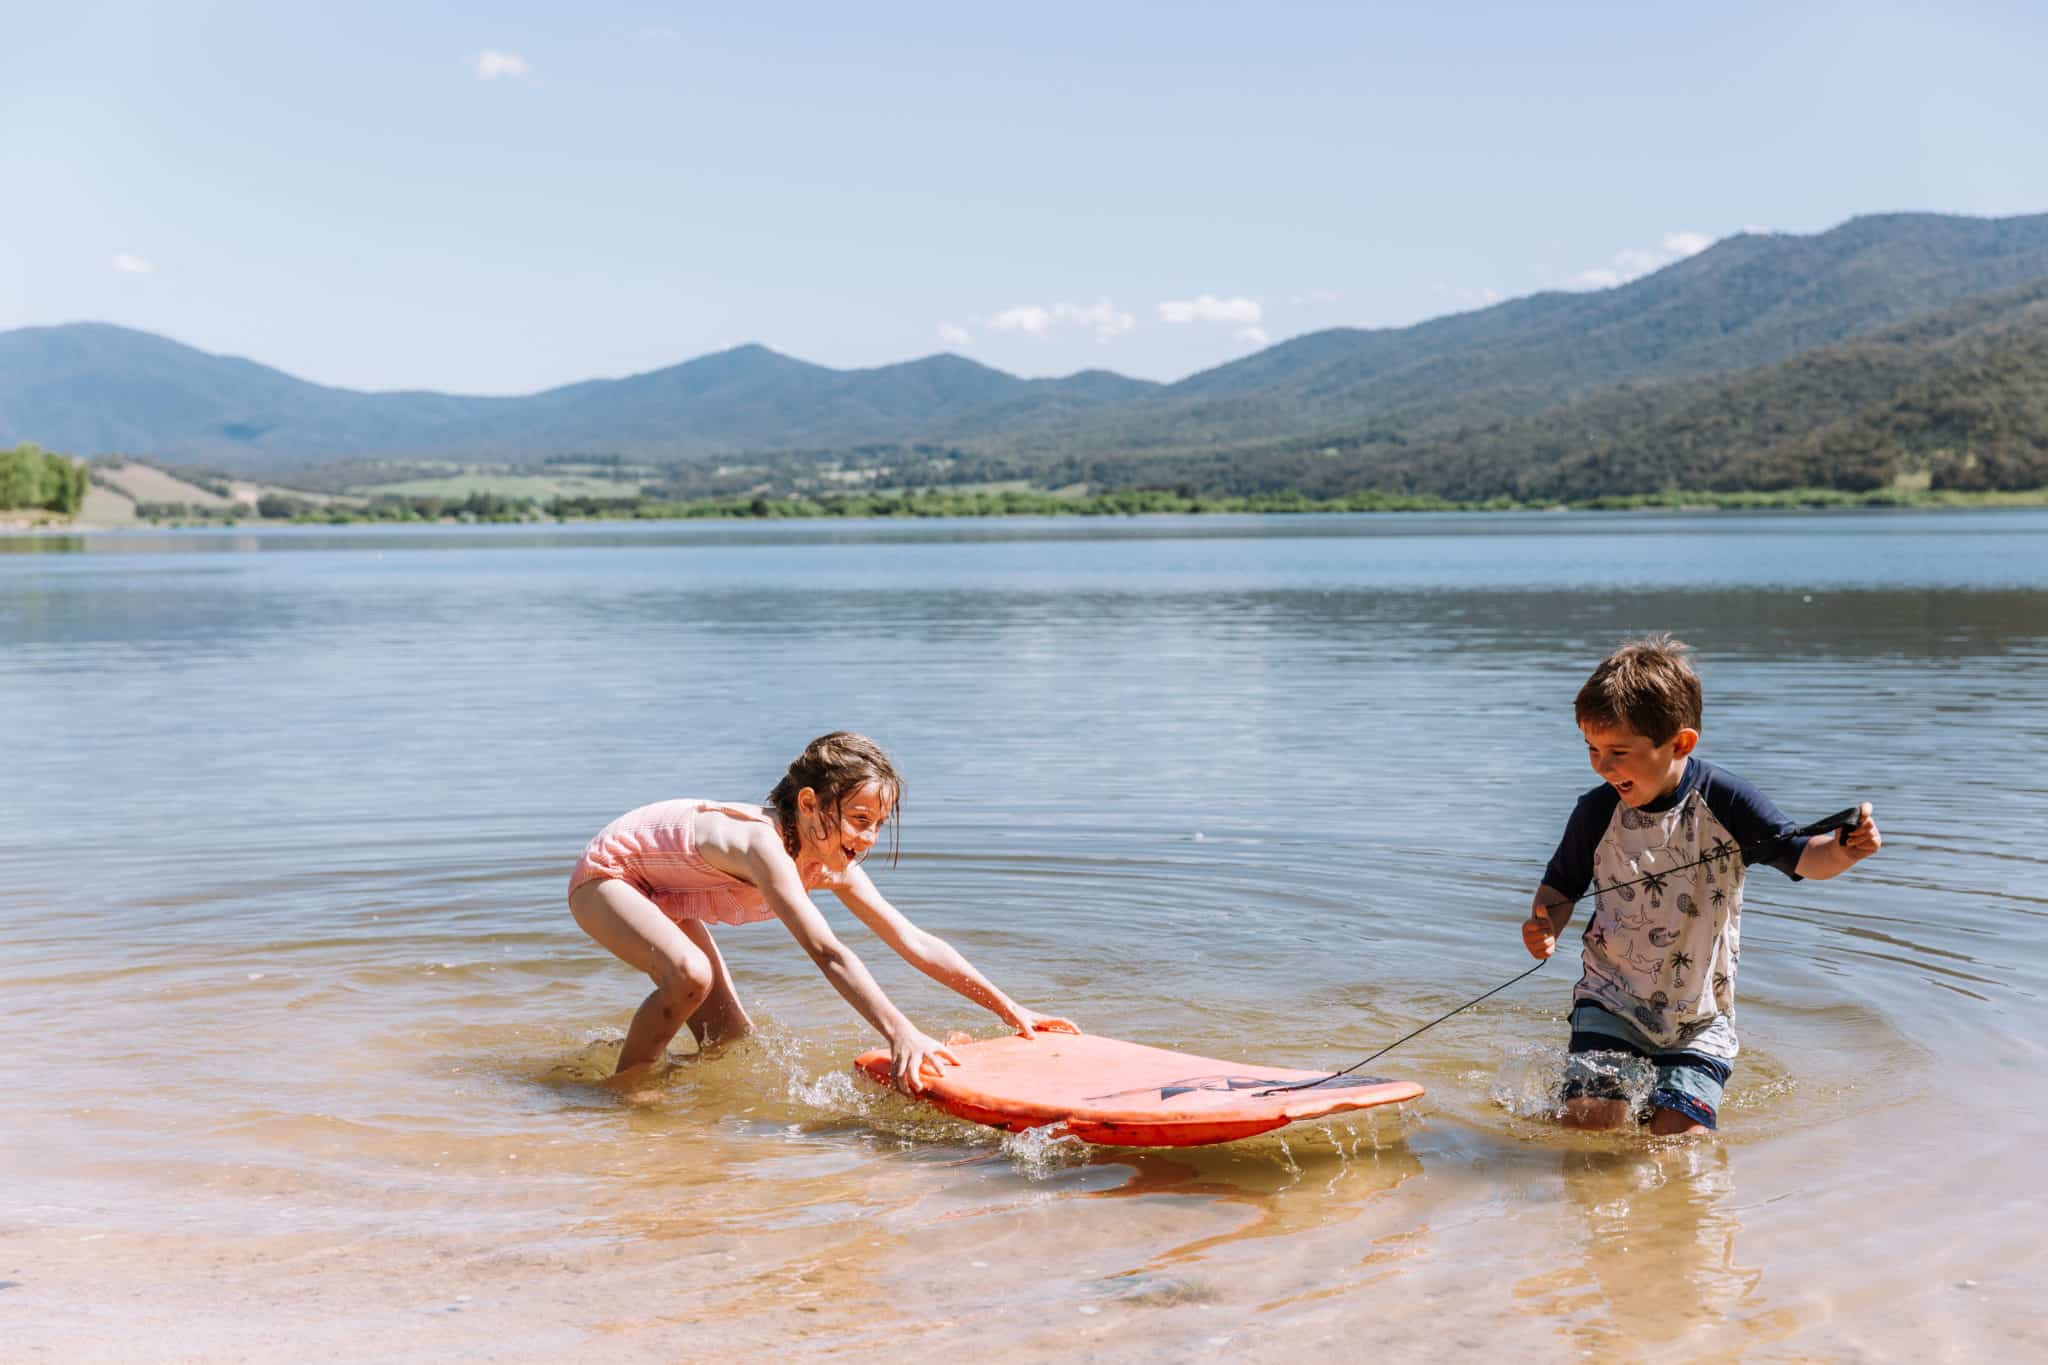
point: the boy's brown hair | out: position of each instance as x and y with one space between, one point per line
836 766
1647 685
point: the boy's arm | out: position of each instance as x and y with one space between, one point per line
935 957
1549 913
1571 867
1824 858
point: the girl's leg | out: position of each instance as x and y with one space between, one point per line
638 934
721 1018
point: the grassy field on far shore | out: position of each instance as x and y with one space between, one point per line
136 494
532 487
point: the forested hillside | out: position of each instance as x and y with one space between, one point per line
1906 347
1958 400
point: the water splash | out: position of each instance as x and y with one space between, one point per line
1040 1153
1357 1135
596 1054
836 1095
832 1092
819 1088
1287 1156
1530 1081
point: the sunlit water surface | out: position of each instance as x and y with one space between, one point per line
300 1046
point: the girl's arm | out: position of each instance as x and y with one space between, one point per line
910 1049
935 957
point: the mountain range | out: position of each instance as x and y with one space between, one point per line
1890 345
93 388
1955 399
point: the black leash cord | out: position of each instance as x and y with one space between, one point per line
1841 819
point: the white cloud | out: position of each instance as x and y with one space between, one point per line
490 64
954 335
1255 336
128 263
1025 317
1209 308
1635 262
1106 321
1102 317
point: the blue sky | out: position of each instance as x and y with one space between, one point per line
496 199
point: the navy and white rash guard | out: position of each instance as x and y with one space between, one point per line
1661 954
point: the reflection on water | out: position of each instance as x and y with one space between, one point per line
1657 1262
42 544
1308 1177
291 987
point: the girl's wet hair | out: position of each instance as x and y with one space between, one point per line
1647 685
835 766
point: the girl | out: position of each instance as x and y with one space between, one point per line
652 882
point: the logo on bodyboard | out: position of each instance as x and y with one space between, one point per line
1228 1084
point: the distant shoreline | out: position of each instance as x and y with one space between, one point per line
932 504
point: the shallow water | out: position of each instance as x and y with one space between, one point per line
302 1047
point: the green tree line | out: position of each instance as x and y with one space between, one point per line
31 477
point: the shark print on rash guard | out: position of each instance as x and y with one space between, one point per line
1661 953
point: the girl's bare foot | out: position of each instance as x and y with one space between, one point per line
717 1028
634 1086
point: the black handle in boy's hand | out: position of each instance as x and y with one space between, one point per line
1855 835
1841 819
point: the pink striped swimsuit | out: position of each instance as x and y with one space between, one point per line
654 851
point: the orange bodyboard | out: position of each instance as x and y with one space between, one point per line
1108 1091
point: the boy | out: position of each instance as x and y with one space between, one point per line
1661 947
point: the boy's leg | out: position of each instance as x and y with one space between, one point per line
1684 1098
636 932
1594 1114
1675 1123
1594 1096
1688 1093
721 1018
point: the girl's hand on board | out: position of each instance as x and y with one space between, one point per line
1028 1022
911 1055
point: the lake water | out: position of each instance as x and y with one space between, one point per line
300 1045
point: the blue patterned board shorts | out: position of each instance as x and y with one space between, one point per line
1688 1082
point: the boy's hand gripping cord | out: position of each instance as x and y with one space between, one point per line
1841 819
